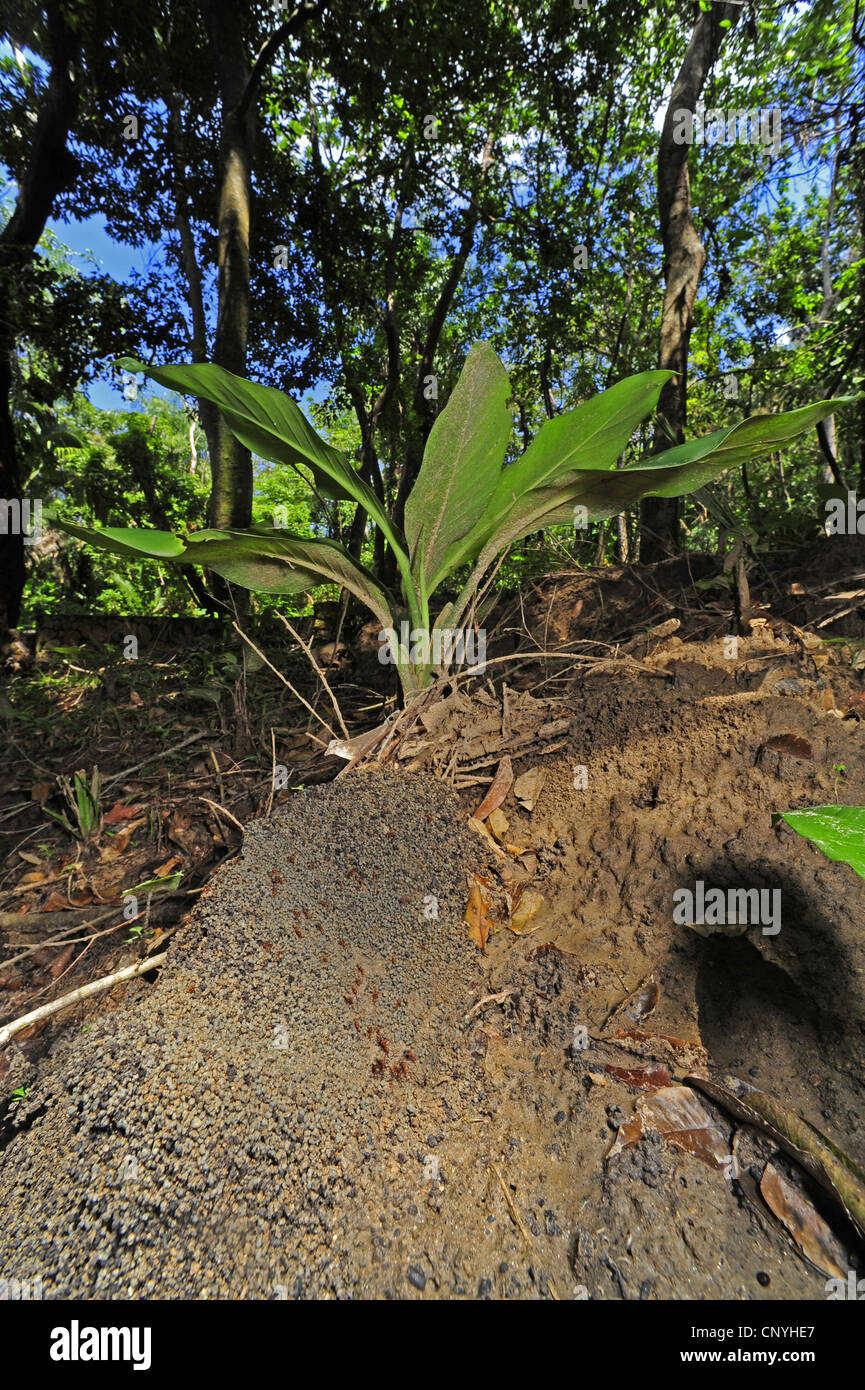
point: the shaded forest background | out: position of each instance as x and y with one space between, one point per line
340 199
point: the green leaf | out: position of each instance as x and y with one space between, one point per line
838 830
158 885
272 426
462 463
590 437
604 493
129 541
707 457
276 562
268 560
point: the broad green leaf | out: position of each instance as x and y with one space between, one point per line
129 541
271 561
838 830
158 885
272 426
674 473
462 462
729 448
605 493
590 437
276 562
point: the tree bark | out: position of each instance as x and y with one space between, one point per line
238 83
51 168
230 503
684 259
198 346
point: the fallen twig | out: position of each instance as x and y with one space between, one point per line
128 972
499 998
519 1223
166 752
221 811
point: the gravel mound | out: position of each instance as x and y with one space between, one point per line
255 1124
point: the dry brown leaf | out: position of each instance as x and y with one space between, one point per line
638 1005
499 788
59 965
480 829
477 913
41 791
55 902
119 812
527 787
30 858
650 1078
672 1113
118 844
526 909
498 823
810 1232
165 869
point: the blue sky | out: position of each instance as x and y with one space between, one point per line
88 239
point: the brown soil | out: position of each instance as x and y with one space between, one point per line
680 785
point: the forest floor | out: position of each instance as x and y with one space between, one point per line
329 1089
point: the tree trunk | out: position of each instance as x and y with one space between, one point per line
684 258
231 464
51 169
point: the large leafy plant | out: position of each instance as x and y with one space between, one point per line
466 507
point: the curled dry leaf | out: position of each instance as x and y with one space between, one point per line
527 787
525 910
673 1114
638 1005
477 912
499 788
810 1232
816 1153
480 829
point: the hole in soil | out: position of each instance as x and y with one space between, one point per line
751 1014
